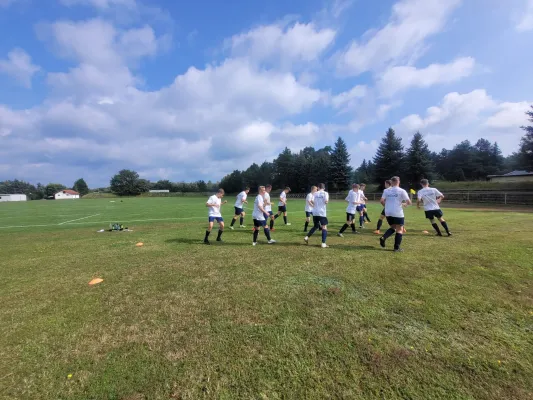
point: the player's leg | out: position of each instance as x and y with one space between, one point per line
285 217
389 231
316 225
243 214
430 215
307 220
324 223
349 221
267 232
365 213
257 226
361 217
220 229
272 220
444 223
208 231
399 234
380 222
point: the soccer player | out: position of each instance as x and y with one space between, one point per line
213 204
320 201
363 205
382 216
394 199
282 207
353 200
268 206
239 205
361 208
309 206
259 216
431 198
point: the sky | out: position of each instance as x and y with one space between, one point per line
185 90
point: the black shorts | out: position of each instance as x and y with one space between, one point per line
238 211
308 214
383 212
350 217
434 214
282 208
317 220
396 221
259 224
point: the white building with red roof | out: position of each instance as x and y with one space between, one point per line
67 194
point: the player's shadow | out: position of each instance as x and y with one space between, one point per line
347 247
226 243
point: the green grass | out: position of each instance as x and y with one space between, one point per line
451 318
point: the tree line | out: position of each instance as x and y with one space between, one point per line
330 165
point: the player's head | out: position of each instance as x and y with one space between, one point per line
356 186
268 188
287 189
424 182
388 184
313 189
362 186
395 181
261 189
247 189
220 193
321 186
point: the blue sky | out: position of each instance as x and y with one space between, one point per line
192 90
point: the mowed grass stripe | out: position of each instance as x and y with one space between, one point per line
451 318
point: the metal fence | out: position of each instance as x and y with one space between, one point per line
473 197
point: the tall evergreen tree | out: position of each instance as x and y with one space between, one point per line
340 165
81 187
389 158
496 160
283 168
418 161
526 145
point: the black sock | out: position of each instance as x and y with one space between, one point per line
445 226
285 219
389 233
267 233
361 220
398 241
206 235
271 224
436 227
324 235
313 230
242 220
353 226
220 232
344 227
380 222
256 233
305 226
366 216
233 222
276 216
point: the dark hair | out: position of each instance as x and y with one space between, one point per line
362 184
321 185
395 179
247 188
388 182
424 182
221 191
288 188
268 186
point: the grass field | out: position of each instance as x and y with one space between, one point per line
451 318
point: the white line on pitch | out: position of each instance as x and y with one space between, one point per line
72 220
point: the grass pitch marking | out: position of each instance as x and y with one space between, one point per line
72 220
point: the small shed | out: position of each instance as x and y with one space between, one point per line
515 177
13 197
67 194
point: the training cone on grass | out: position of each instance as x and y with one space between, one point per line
140 244
95 281
425 232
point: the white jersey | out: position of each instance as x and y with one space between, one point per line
320 200
361 196
258 214
394 197
353 197
241 198
309 207
283 196
214 211
429 197
267 206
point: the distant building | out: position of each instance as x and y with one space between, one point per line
13 197
159 191
515 177
66 194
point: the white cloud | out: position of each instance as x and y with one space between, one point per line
469 116
526 21
297 42
19 66
401 40
346 99
6 3
396 79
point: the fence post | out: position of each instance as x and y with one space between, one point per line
468 197
505 198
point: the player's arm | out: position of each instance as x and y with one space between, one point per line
418 202
208 204
440 197
327 198
382 201
407 200
283 200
